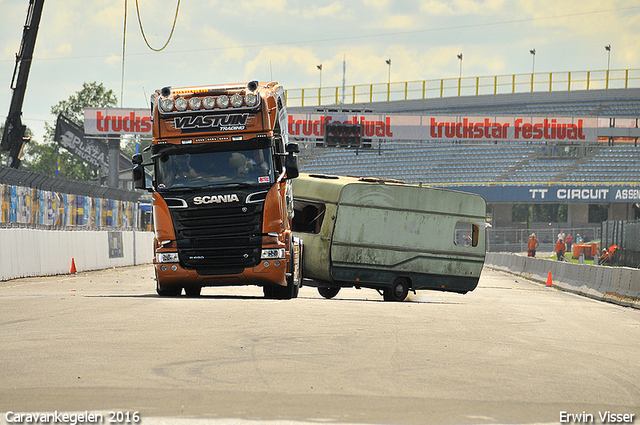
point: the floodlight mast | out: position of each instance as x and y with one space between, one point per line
13 136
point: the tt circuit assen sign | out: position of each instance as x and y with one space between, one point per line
447 128
105 121
555 193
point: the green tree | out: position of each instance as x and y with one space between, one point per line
41 157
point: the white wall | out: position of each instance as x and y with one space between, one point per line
35 252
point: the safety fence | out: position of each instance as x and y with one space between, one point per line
500 239
464 86
38 201
25 206
619 285
626 235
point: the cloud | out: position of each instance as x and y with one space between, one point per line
64 48
399 22
462 7
378 4
335 10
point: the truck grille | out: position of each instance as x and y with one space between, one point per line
219 239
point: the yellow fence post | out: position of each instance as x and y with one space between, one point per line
302 98
442 88
569 81
588 79
336 95
607 85
388 92
532 82
406 90
424 89
371 93
626 79
551 81
319 96
459 85
495 84
354 94
477 85
513 83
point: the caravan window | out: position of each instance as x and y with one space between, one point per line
308 216
466 234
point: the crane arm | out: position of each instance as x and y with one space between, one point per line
13 138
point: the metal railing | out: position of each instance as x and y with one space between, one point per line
502 239
465 86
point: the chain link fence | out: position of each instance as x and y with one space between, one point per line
626 235
517 240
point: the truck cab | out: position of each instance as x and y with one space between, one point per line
222 194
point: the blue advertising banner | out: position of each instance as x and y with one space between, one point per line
555 193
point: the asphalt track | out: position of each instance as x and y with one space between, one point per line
512 351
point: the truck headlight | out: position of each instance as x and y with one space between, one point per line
209 102
223 101
272 253
181 104
236 100
166 105
194 103
251 99
167 257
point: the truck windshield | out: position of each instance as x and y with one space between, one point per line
193 170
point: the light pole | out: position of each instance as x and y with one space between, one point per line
608 49
388 61
320 87
533 65
460 77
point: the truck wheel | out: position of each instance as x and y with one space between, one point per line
328 292
170 292
193 291
398 290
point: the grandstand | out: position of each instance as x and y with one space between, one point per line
444 163
613 159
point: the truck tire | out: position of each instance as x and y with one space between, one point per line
193 291
171 292
398 290
328 291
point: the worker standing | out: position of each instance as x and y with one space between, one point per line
561 248
533 245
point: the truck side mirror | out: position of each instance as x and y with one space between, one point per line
138 177
136 159
292 148
291 163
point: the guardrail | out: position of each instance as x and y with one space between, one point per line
464 86
618 285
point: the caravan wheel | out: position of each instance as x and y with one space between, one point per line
398 290
328 292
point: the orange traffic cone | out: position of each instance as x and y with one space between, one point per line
549 281
73 267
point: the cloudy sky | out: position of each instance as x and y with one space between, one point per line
218 41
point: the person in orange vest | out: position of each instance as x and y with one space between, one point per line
561 248
533 245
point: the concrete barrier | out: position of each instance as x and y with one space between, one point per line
619 285
35 252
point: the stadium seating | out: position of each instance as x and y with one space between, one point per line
428 162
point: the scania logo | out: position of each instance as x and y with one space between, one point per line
215 199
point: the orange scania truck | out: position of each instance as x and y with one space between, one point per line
222 196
